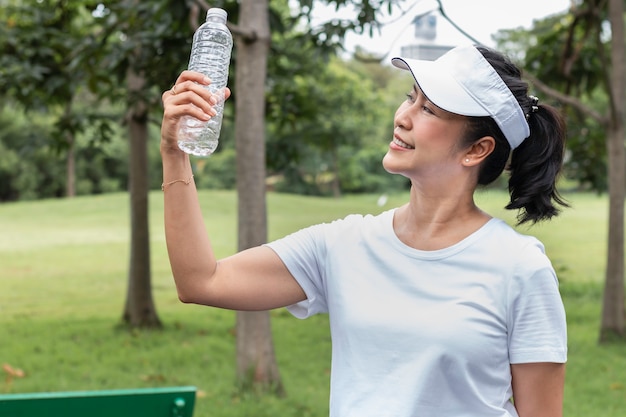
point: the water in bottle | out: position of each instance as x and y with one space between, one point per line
210 55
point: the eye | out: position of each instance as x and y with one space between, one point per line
427 109
410 97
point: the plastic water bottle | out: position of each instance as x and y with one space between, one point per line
210 55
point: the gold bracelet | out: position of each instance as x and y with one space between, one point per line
187 182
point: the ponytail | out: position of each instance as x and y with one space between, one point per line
535 165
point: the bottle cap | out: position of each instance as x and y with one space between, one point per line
218 13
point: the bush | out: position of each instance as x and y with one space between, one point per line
219 171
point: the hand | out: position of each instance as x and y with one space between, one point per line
187 97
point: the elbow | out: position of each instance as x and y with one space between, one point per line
184 298
188 297
187 294
193 287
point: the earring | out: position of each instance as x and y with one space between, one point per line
467 160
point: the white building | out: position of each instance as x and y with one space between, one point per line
425 45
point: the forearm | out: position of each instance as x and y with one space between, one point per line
190 253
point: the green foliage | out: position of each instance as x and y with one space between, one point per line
154 36
217 173
331 122
329 35
38 47
574 54
363 171
587 158
570 53
28 167
41 64
31 167
83 64
329 119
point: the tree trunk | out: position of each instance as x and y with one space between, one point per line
613 313
257 369
256 362
336 184
70 161
70 166
139 310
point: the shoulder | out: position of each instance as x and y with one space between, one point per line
520 257
355 224
337 232
513 242
530 270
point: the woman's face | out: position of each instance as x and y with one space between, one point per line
425 139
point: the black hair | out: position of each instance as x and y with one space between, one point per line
535 165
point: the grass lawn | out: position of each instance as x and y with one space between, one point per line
63 280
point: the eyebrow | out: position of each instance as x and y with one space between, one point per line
418 90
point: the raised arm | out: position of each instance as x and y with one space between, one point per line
255 279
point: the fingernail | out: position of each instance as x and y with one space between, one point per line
206 80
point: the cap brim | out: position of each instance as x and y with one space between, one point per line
440 87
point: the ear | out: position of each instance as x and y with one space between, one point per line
479 150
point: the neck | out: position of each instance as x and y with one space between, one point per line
438 219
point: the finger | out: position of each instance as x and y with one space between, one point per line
195 106
189 99
190 88
185 93
193 76
185 90
188 78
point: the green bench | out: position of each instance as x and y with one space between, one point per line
144 402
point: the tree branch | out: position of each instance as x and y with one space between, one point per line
195 6
567 99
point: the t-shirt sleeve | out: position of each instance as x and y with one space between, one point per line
303 254
536 316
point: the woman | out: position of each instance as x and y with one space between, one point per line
436 308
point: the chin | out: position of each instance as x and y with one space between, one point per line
388 164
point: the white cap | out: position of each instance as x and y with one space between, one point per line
463 82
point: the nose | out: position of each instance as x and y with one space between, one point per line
402 118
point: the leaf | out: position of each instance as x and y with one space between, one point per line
12 372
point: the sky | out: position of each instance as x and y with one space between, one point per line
479 18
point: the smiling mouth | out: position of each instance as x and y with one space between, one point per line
402 144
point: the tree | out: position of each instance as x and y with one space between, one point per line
51 53
329 119
132 57
131 31
613 303
39 68
256 362
139 309
587 64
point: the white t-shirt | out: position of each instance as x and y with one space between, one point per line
426 333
